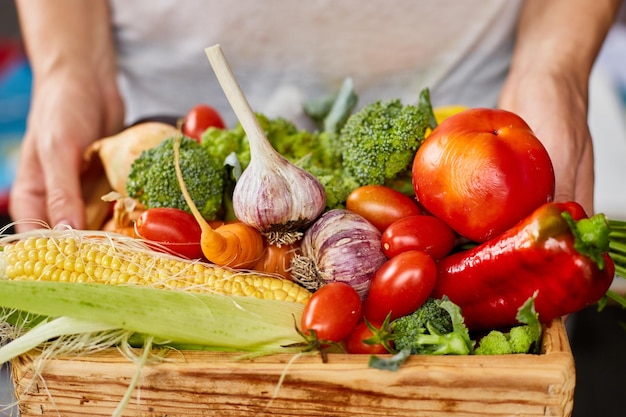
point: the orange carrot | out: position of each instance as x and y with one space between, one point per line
232 244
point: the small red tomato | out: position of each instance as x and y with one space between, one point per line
332 311
199 119
422 232
174 229
381 205
482 171
355 342
400 286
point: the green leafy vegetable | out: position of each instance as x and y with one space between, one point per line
525 338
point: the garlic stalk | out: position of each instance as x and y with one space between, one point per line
272 195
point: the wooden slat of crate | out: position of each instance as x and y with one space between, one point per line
212 384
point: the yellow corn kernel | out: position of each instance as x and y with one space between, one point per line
104 261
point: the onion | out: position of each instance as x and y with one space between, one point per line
340 246
118 152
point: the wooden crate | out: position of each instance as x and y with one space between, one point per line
193 383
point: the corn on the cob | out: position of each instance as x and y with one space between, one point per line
103 260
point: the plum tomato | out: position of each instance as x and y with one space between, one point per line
422 232
332 311
355 342
481 171
400 286
172 228
199 119
381 205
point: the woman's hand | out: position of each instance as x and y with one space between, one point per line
75 101
557 44
556 109
68 112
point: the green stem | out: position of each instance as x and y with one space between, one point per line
617 224
620 270
617 247
619 235
616 297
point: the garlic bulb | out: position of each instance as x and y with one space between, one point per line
275 196
340 246
272 195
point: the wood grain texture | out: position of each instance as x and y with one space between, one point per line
193 383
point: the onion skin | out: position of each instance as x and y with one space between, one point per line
341 246
118 152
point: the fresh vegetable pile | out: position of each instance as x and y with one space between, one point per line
382 232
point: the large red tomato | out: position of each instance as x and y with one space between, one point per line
481 171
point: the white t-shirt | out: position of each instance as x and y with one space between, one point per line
284 52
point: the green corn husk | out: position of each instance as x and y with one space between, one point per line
209 321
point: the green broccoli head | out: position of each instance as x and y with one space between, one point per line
406 329
436 328
152 179
379 142
293 143
524 338
220 143
494 343
337 185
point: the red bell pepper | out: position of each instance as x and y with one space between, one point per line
557 253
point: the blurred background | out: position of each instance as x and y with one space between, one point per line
598 339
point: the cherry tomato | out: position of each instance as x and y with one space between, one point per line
481 171
332 311
400 286
354 343
422 232
175 229
199 119
381 205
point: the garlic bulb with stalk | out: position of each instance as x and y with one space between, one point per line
273 195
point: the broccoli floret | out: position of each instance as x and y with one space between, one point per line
494 343
378 142
337 186
524 338
293 143
220 143
436 328
152 179
517 340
